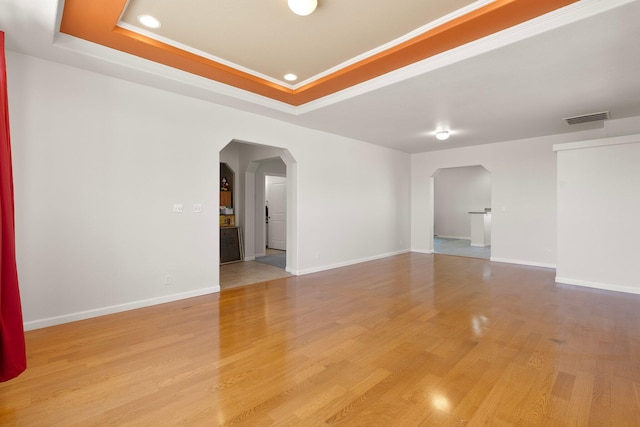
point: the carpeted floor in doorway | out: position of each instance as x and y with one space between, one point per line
459 247
276 260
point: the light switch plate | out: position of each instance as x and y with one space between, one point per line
197 207
177 207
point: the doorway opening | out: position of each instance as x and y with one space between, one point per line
275 224
462 211
266 180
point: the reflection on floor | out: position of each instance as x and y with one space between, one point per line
248 272
459 247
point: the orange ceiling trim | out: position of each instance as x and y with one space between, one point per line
494 17
96 21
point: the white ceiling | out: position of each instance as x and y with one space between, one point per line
516 84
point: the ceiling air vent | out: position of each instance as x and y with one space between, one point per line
588 118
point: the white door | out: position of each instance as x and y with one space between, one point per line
276 195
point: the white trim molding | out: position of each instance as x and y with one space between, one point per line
597 285
520 262
346 263
88 314
604 142
423 251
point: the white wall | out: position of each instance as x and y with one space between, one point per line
252 158
523 197
599 213
99 163
458 191
274 167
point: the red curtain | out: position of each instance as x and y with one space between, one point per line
12 349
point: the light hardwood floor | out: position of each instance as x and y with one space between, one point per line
410 340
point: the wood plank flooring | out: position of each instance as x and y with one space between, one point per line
411 340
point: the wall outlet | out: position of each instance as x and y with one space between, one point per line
167 279
197 207
177 207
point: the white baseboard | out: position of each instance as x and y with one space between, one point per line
520 262
72 317
346 263
597 285
453 237
422 251
294 272
478 246
250 258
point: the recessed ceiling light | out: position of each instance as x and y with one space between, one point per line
442 135
290 77
149 21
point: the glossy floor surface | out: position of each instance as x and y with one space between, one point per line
409 340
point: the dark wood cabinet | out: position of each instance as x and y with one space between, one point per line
230 249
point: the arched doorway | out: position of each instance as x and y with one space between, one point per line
254 162
462 211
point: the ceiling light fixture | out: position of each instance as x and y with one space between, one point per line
149 21
303 7
290 77
442 135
